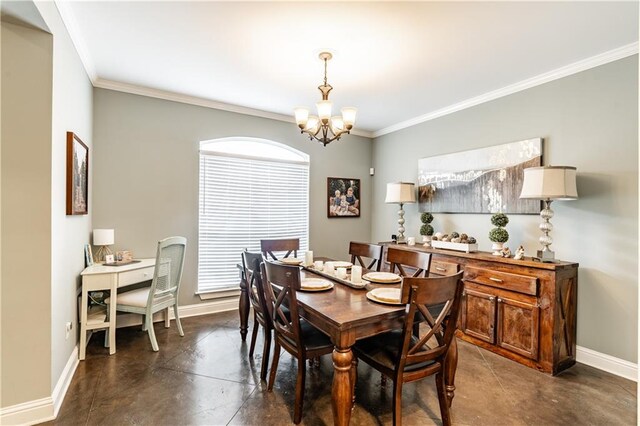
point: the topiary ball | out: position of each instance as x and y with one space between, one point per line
499 235
426 229
426 217
499 219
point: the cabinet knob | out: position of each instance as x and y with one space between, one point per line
492 298
499 300
498 280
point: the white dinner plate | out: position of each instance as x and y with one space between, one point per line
315 284
291 261
341 264
382 277
388 296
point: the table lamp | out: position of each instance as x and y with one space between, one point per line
400 193
548 184
103 238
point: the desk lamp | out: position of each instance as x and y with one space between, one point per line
103 238
548 184
400 193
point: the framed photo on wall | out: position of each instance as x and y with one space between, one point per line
77 175
343 197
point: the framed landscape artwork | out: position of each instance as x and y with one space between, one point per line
343 197
77 175
486 180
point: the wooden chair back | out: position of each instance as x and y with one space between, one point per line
282 282
437 300
371 251
288 245
253 275
417 260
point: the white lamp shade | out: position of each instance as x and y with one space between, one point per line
401 192
302 116
550 183
103 237
324 109
349 115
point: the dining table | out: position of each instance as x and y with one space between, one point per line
346 315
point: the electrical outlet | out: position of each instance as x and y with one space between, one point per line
68 328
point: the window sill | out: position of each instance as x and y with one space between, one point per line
219 294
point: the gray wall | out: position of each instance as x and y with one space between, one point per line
26 214
72 111
588 120
145 174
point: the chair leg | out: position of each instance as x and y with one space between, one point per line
144 323
106 330
152 333
254 336
178 323
443 400
300 381
265 354
167 321
397 402
274 365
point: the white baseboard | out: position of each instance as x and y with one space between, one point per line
60 390
45 409
608 363
28 413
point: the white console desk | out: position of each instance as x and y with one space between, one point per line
99 277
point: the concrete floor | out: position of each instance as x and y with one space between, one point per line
206 377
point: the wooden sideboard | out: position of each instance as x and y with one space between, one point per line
523 310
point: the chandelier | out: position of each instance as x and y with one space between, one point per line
324 128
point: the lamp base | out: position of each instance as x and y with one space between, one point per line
546 256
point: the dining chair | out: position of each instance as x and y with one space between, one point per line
420 261
164 289
371 251
288 245
404 357
261 314
297 336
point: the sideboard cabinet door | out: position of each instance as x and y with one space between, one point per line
518 326
479 315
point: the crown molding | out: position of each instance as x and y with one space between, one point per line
574 68
207 103
70 22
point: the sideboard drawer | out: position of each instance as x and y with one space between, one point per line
135 276
514 282
440 268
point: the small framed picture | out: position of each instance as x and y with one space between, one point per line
343 197
109 258
88 256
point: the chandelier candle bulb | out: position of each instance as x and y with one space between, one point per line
356 274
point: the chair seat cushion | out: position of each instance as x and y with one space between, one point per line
312 338
138 298
383 349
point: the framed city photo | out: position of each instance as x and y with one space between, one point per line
343 197
77 175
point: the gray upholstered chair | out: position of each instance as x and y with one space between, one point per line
163 292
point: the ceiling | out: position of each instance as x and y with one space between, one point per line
393 61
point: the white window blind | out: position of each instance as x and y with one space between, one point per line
244 200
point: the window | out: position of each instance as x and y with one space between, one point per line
250 189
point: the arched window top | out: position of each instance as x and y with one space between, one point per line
253 148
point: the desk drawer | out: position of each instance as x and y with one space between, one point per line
514 282
135 276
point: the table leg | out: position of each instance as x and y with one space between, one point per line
112 319
83 324
341 392
450 366
243 307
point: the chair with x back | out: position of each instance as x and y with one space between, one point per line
288 245
371 251
261 315
404 357
399 258
294 334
